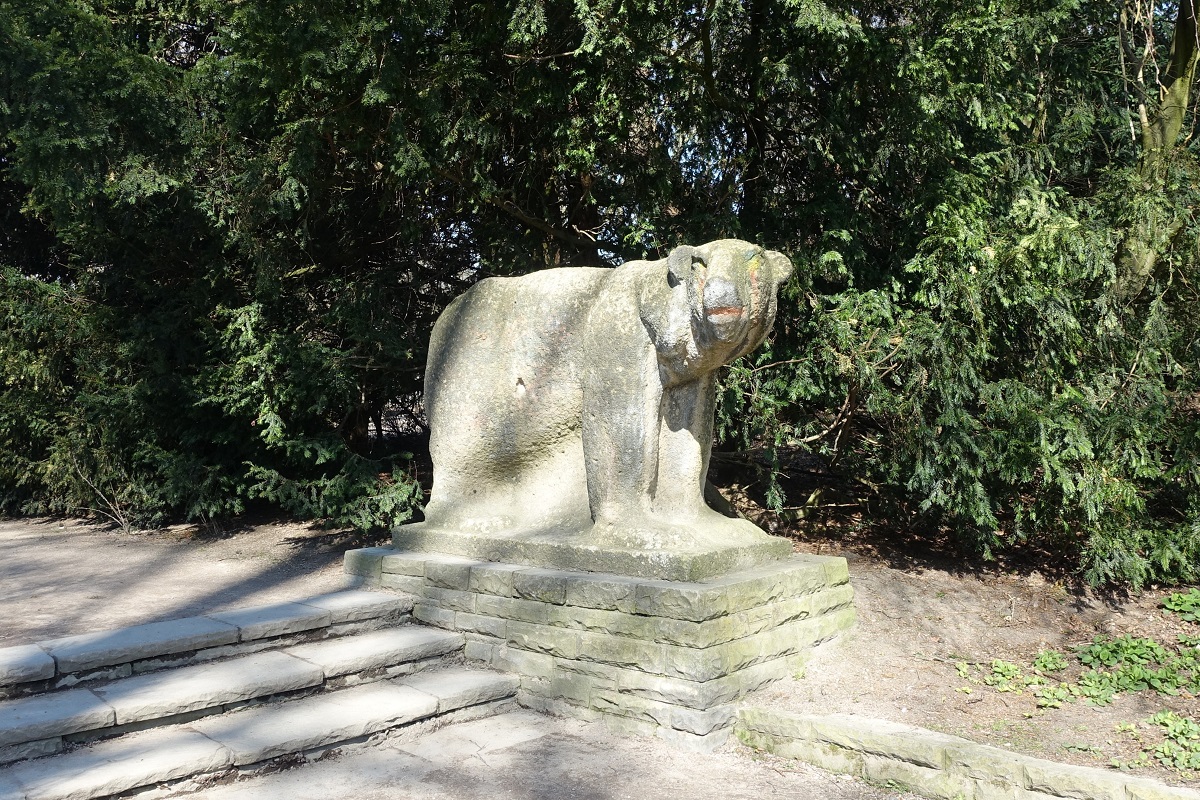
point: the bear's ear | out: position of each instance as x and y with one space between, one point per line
781 266
679 263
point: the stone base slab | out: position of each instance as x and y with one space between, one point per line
655 657
579 553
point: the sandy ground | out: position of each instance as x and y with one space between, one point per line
63 577
916 623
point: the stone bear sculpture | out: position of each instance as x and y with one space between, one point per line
579 401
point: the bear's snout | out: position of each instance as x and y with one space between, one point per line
722 302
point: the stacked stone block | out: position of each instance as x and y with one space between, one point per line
654 657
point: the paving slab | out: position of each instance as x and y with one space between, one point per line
161 694
38 747
44 716
385 648
526 756
277 619
23 663
459 687
256 734
9 788
122 645
359 604
118 765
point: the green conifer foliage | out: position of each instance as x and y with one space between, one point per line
228 227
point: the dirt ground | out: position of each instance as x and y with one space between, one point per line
916 622
60 577
917 619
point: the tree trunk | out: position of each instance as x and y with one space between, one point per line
1162 122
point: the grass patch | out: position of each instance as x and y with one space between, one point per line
1108 667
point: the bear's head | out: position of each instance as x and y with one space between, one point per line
706 306
731 288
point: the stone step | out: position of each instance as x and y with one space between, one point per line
32 726
254 735
104 655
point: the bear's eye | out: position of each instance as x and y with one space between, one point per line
672 281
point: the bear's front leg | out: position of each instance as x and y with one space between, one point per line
684 445
620 437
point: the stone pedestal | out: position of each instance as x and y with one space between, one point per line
654 657
741 548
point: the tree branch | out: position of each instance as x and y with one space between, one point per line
584 242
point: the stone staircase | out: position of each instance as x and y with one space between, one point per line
109 712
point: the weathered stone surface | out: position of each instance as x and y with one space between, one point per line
357 605
781 724
702 723
476 623
119 765
412 584
514 609
403 563
573 552
122 645
543 639
706 664
431 614
494 579
988 765
1067 780
22 663
161 694
747 594
932 782
45 716
1145 789
383 648
449 599
38 747
890 739
708 743
542 585
445 572
598 385
616 723
565 634
702 634
458 687
935 764
524 662
622 652
614 703
479 650
574 688
366 562
605 592
10 789
264 732
262 622
693 721
824 755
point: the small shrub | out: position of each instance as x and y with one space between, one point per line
1185 605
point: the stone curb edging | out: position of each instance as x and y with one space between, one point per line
935 764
